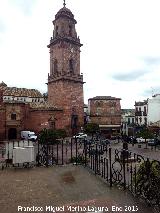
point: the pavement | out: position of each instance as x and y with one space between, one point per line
66 188
150 152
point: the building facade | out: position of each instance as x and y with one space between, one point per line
65 82
27 109
128 122
141 110
106 112
153 117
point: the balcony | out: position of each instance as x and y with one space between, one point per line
144 113
138 113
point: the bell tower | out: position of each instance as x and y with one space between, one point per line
65 82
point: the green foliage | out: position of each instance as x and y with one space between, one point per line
79 160
91 128
147 181
147 169
50 136
145 133
61 133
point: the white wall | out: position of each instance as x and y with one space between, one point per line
153 109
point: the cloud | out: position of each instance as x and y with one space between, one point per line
25 6
151 60
2 26
131 76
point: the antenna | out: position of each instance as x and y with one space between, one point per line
152 91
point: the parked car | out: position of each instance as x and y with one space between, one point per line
28 135
142 140
80 135
153 142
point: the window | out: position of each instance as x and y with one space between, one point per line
74 121
70 30
129 121
140 120
71 67
145 120
132 120
56 30
55 66
13 116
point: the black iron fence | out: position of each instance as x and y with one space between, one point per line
129 170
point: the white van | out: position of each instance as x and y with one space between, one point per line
28 135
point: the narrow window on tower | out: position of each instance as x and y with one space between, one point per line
70 30
56 30
55 66
71 66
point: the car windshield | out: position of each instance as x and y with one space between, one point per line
31 135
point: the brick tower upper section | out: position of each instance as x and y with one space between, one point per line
64 48
65 82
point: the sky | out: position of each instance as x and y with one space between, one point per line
120 56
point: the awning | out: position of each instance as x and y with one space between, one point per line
109 126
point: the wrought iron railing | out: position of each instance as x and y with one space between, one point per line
128 170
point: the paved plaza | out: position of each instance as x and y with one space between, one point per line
151 152
61 186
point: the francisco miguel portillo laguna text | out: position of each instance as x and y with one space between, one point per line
77 209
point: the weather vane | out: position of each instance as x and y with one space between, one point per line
64 3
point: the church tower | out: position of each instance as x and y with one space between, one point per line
65 82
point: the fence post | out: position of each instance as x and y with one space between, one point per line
37 157
110 165
85 152
62 152
71 148
76 150
124 155
47 154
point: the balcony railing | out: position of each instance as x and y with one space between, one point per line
138 113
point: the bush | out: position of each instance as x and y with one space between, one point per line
79 160
50 136
147 181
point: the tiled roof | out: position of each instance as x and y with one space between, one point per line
43 106
22 92
2 85
104 98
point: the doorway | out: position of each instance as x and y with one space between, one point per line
12 133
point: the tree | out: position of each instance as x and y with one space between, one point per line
51 136
91 128
146 134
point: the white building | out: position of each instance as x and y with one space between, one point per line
153 116
128 122
141 111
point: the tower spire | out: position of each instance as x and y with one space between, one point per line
64 3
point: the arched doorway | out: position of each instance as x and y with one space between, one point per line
12 133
